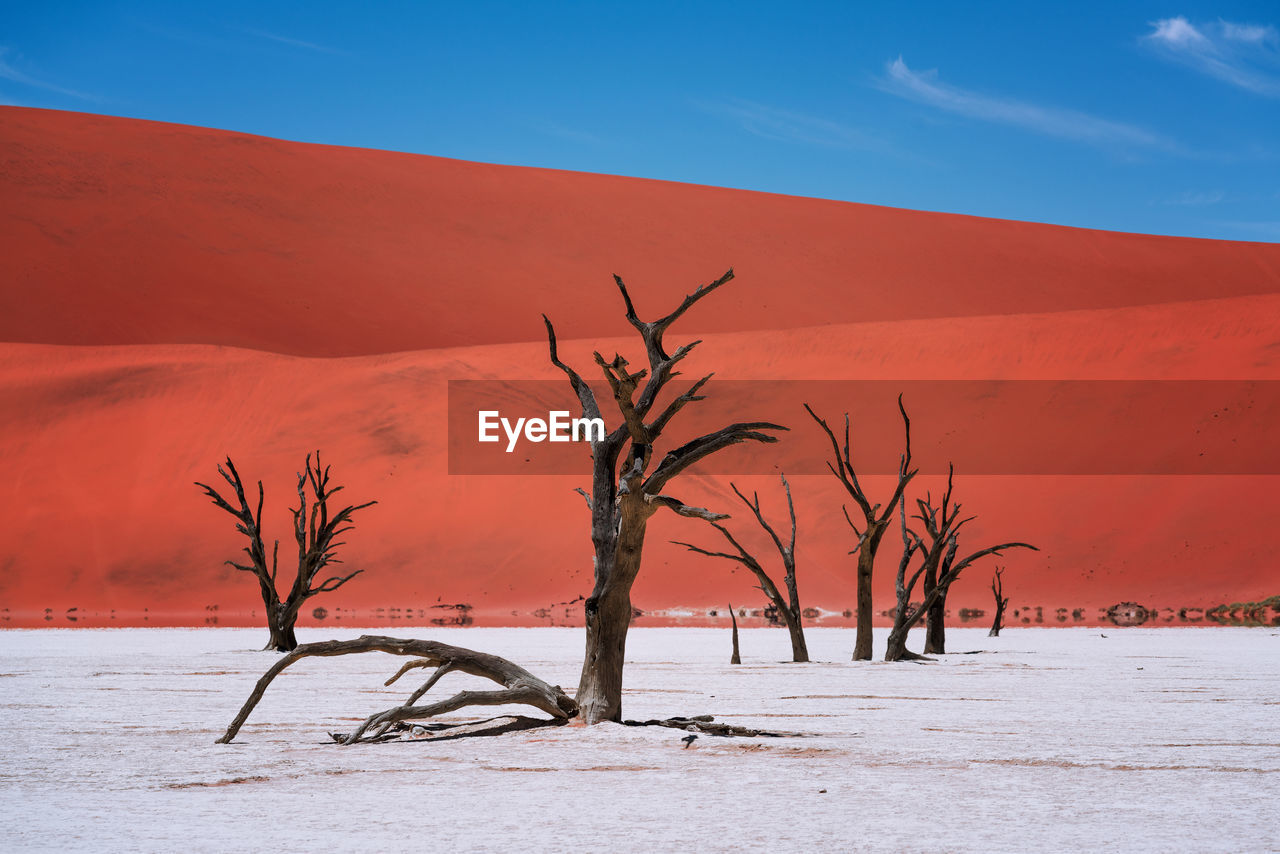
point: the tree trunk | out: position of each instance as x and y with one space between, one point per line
862 645
736 658
279 624
282 638
599 694
799 649
608 616
935 633
998 622
897 648
1002 602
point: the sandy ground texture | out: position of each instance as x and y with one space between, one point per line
1046 739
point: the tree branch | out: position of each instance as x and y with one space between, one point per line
689 453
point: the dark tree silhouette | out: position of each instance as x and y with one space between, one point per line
736 658
936 524
939 556
627 486
876 520
788 607
316 533
1002 602
626 490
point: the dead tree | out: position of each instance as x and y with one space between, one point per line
1002 602
788 607
736 658
316 533
904 617
940 554
627 486
520 687
627 489
936 523
876 521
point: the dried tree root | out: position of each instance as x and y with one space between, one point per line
521 686
447 731
706 724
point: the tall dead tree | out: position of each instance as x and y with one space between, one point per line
789 607
1002 602
940 555
875 520
627 486
936 523
316 533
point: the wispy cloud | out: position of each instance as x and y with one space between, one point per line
295 42
1244 55
786 126
8 72
924 87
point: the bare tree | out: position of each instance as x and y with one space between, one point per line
940 554
876 520
788 607
904 616
736 658
627 487
1002 602
626 491
316 533
936 524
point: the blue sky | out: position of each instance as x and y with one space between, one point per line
1151 117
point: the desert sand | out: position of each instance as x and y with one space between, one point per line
177 294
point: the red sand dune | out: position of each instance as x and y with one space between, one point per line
139 256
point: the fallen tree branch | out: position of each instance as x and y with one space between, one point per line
500 725
522 687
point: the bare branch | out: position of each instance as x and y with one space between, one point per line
689 453
691 299
702 551
690 396
522 686
586 397
683 509
331 584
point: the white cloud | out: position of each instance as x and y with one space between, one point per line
1178 32
8 72
925 88
1240 54
1249 33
